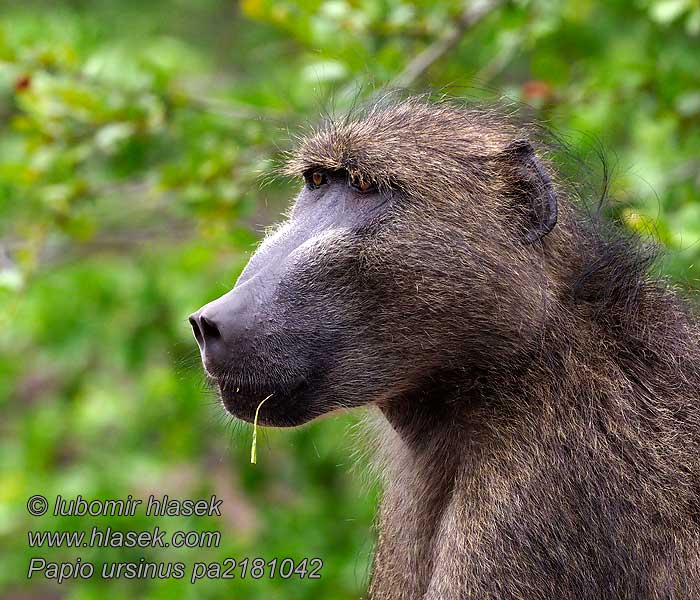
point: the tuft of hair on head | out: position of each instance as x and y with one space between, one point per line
414 145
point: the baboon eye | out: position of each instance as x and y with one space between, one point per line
315 179
361 185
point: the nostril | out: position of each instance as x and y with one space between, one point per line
209 329
196 330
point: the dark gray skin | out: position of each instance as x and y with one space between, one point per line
276 331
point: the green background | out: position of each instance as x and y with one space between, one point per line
137 147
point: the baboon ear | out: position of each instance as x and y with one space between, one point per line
535 184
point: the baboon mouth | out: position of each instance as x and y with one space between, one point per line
242 400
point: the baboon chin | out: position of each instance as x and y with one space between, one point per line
538 390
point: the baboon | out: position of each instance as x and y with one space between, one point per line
537 387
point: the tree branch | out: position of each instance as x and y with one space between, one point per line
472 14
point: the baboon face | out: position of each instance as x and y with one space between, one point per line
361 295
304 320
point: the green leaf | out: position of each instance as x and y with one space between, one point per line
667 11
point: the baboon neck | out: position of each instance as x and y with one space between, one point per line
435 442
440 431
445 412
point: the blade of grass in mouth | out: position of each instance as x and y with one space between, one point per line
254 445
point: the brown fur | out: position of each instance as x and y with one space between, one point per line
544 441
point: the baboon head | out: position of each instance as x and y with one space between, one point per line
413 250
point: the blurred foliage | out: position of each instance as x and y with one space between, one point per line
135 137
